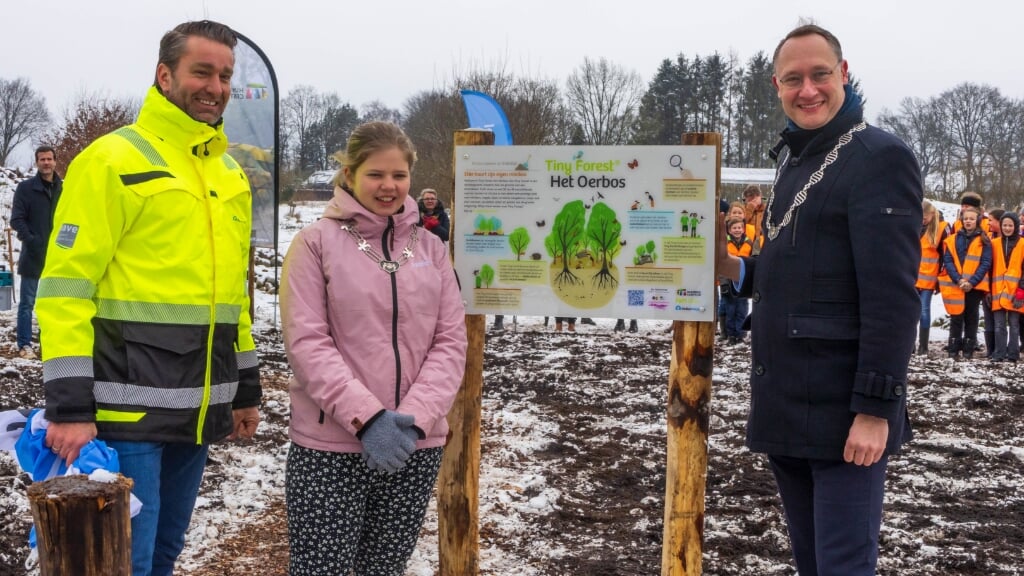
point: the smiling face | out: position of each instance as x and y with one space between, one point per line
200 84
809 79
46 164
736 212
1008 226
381 183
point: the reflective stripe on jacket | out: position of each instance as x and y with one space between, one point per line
143 303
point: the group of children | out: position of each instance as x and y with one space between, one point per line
975 264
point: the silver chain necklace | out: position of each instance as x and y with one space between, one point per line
801 196
389 266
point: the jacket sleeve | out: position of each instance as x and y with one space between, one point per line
433 391
88 223
318 365
885 219
443 226
19 211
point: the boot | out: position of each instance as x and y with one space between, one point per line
588 321
722 334
632 326
922 342
990 343
620 325
969 344
953 347
572 326
499 323
558 325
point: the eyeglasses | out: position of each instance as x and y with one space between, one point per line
818 77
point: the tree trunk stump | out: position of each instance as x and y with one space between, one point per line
83 527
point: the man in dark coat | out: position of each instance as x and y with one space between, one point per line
35 200
834 309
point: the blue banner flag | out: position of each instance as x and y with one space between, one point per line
485 112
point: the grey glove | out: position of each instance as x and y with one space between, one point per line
389 441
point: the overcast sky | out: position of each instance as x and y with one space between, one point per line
388 50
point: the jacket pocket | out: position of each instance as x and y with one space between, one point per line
823 327
165 356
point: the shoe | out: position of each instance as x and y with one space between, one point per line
558 326
27 353
588 321
620 325
970 347
633 326
572 326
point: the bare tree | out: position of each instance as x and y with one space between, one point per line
379 112
965 111
23 115
86 119
918 123
300 110
604 99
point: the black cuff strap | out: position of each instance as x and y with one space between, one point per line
873 385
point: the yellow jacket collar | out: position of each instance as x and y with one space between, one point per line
168 122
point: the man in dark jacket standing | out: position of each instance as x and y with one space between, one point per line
834 309
35 200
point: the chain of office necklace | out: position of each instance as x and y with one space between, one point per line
389 266
801 196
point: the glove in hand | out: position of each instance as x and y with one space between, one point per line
430 222
389 441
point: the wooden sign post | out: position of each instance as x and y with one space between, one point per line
458 484
689 403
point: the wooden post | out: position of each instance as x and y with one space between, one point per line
689 399
83 528
458 485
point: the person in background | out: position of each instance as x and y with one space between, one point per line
734 305
35 200
991 218
754 206
1007 288
374 329
143 303
432 214
966 261
933 235
833 322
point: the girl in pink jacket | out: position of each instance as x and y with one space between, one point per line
374 329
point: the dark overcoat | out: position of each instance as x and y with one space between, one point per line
835 309
32 218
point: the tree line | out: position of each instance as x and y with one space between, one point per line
970 137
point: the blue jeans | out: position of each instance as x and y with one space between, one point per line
26 302
926 307
735 312
167 477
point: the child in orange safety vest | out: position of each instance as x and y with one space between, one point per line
733 307
1007 288
963 281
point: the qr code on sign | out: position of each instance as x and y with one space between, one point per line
636 297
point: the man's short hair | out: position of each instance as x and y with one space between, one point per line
172 45
807 30
751 191
45 148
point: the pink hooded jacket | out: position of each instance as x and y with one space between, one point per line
361 340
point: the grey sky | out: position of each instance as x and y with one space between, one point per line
389 50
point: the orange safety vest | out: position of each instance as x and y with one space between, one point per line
952 295
928 270
746 248
1006 274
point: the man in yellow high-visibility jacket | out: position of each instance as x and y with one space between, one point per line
143 301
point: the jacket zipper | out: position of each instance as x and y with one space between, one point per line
386 240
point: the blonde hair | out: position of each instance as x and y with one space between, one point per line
932 228
367 139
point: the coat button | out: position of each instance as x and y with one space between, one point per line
795 331
756 297
759 370
897 391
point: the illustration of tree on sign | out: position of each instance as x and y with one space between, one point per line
603 232
552 247
486 275
487 225
645 254
567 233
518 241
